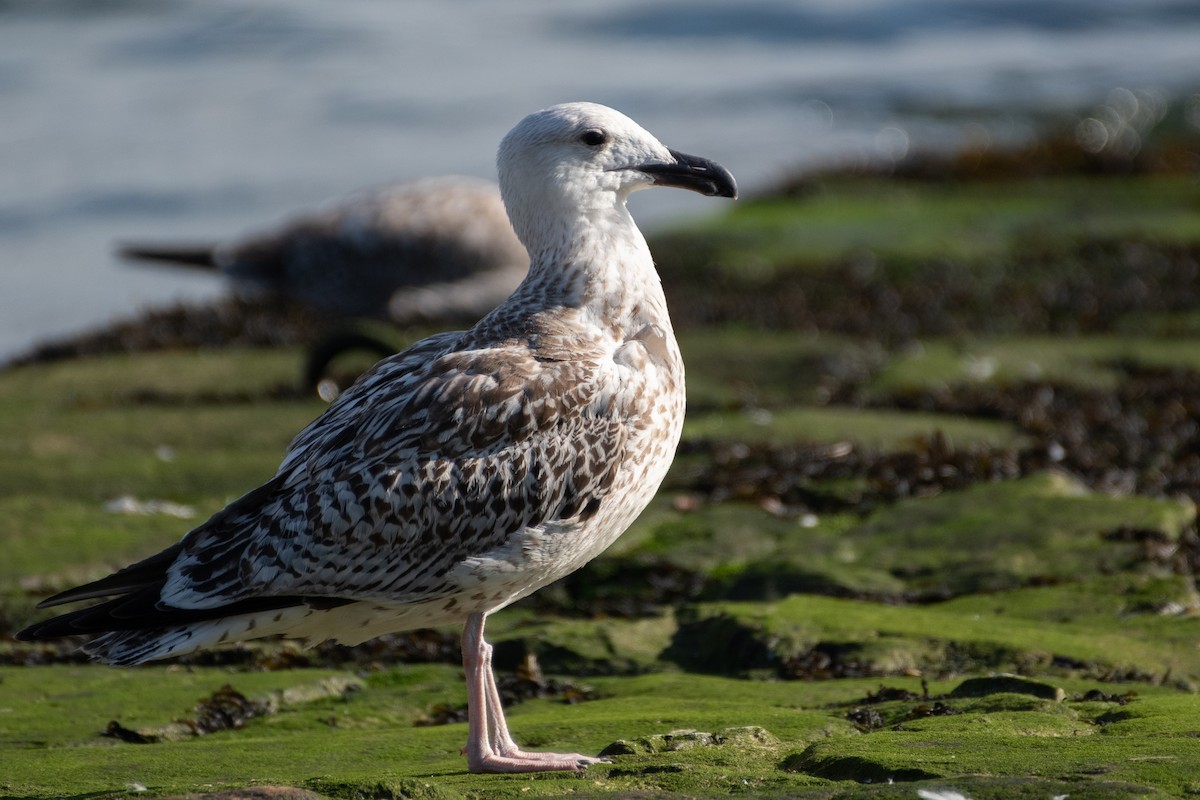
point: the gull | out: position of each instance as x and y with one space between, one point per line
465 472
438 248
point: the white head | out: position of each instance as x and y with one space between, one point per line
581 160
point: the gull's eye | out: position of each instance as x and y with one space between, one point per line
593 137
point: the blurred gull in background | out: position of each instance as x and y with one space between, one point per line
432 250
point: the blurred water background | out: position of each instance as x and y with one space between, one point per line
202 119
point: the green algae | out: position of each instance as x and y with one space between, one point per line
907 221
1002 535
366 745
772 739
1049 746
988 538
1007 685
868 638
71 705
72 439
877 429
385 789
312 746
737 366
1085 361
584 646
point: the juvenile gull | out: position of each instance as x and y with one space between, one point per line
432 249
465 472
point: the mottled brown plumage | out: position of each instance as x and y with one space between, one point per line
466 472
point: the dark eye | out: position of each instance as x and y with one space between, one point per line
593 137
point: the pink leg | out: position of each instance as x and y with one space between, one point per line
490 748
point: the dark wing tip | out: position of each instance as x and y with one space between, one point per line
150 570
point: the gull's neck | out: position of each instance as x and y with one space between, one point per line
598 263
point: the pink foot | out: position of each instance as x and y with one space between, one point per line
490 748
524 761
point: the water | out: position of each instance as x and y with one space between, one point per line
201 119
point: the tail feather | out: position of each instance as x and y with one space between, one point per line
135 625
142 610
135 628
197 256
128 647
136 576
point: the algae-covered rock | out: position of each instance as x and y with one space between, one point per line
1011 684
806 636
1008 734
228 708
822 761
981 787
384 789
743 736
584 647
1004 535
254 793
1044 529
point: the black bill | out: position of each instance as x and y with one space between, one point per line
694 173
